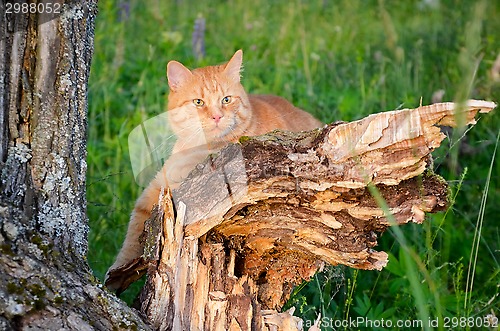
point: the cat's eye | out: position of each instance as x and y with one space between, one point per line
198 102
226 100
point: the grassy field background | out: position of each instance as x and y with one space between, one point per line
339 60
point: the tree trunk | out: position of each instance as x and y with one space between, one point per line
263 215
45 281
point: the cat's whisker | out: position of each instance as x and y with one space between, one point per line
186 141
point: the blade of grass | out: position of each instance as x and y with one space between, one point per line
477 235
452 203
412 262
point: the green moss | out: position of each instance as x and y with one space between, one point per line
244 139
47 283
13 288
39 304
6 249
58 299
44 248
37 240
37 290
94 280
124 325
102 300
55 254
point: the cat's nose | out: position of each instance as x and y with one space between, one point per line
217 117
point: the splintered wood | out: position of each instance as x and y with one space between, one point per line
265 214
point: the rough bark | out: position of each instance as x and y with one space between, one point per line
267 213
45 281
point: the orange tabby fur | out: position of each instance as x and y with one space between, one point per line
207 109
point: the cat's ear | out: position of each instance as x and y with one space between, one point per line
177 74
233 67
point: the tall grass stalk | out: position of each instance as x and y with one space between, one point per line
471 271
452 201
468 61
350 293
412 262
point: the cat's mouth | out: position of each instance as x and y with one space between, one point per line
221 131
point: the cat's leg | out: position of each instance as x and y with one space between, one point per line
176 169
132 248
181 163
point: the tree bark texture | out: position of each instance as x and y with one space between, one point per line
45 281
224 250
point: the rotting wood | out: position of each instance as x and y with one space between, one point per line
267 213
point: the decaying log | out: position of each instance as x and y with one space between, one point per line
263 215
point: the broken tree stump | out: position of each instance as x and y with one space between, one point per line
261 216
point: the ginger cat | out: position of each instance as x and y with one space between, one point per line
207 109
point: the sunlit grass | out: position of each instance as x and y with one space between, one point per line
340 60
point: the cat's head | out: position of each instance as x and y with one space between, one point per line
208 101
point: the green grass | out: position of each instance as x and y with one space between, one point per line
340 60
